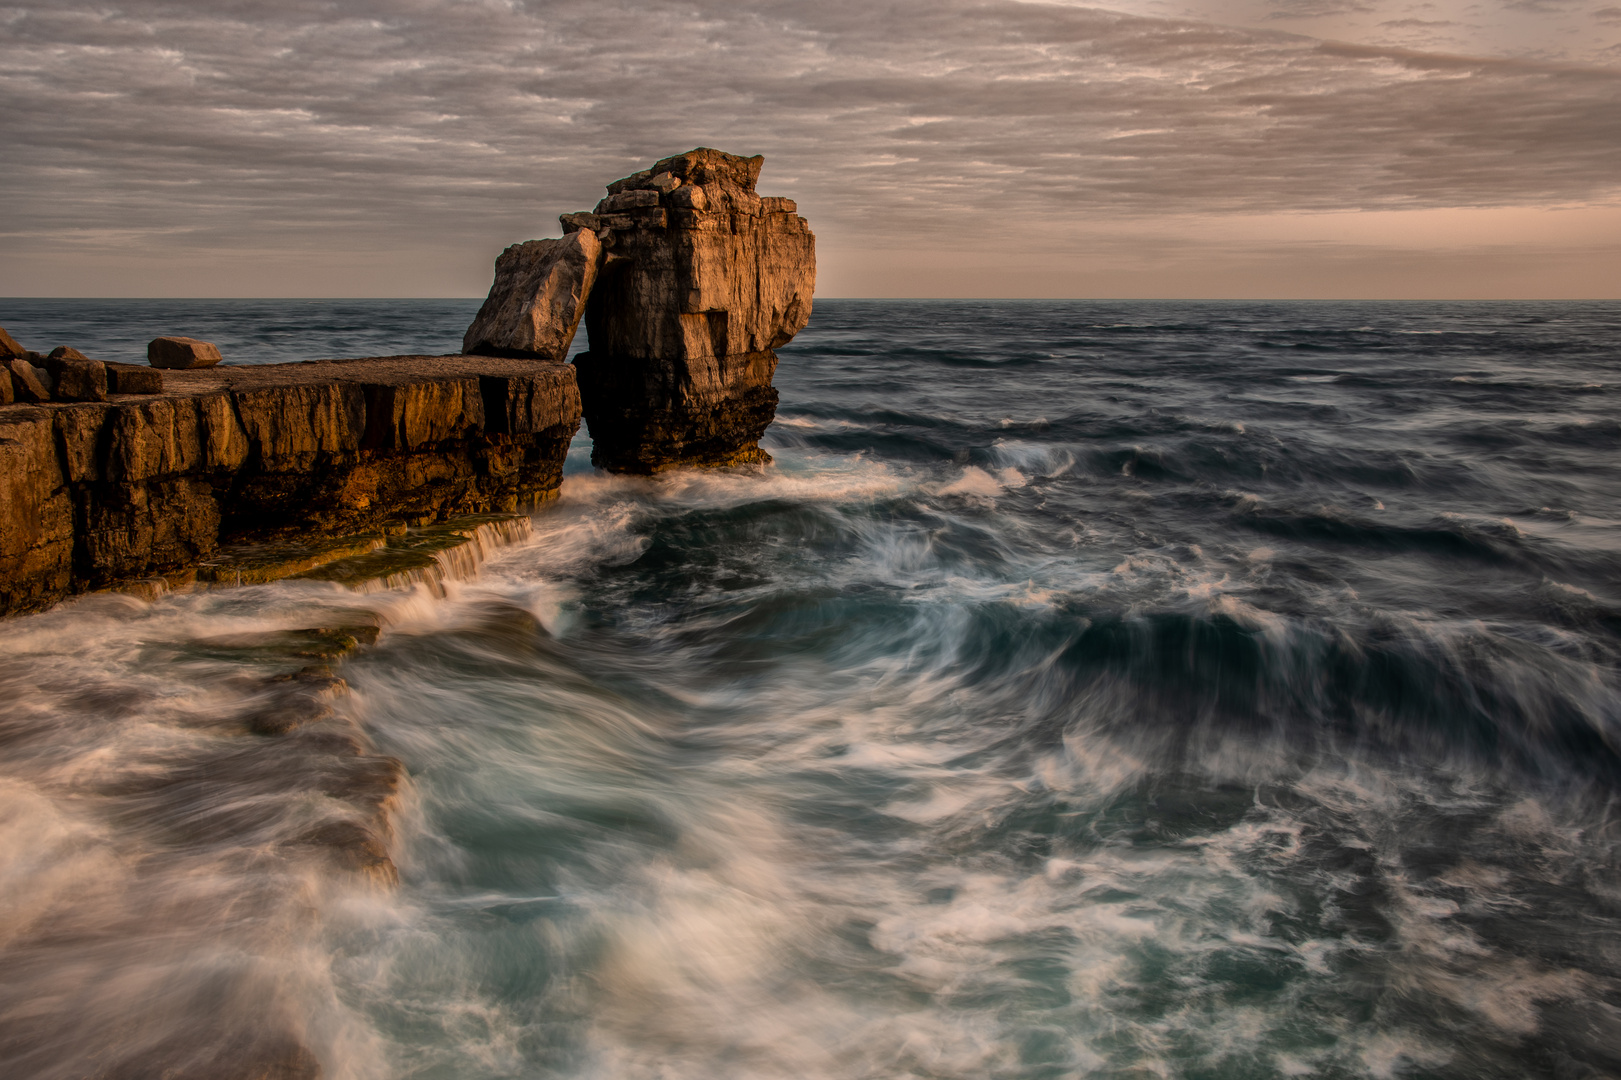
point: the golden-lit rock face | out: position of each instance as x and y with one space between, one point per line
694 280
537 299
94 494
702 279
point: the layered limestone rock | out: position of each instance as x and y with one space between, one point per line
538 297
96 493
703 280
695 281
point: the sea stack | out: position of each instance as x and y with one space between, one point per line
698 280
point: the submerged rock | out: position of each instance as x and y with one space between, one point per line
354 847
180 353
537 299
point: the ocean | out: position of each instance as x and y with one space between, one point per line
1106 689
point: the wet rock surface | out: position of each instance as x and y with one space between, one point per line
259 812
94 494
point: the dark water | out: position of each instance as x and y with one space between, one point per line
247 331
1090 689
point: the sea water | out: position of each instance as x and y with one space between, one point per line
1114 689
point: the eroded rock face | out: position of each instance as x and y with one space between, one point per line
537 299
703 279
96 493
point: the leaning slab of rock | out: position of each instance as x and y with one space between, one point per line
537 298
9 349
703 281
178 353
27 382
78 379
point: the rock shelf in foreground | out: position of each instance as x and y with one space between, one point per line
95 494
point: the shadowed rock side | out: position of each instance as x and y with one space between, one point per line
98 493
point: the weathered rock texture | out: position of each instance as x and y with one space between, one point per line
101 492
698 280
27 381
181 353
76 378
538 297
703 279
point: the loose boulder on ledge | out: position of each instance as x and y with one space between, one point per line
181 353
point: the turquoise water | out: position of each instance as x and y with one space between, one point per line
1117 690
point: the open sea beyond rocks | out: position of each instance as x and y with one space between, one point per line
1090 688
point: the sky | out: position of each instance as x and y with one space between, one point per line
1153 148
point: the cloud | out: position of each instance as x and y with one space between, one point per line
1315 9
425 127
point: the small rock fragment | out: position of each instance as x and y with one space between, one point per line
573 223
631 182
689 198
27 383
627 200
133 379
9 349
78 380
179 353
